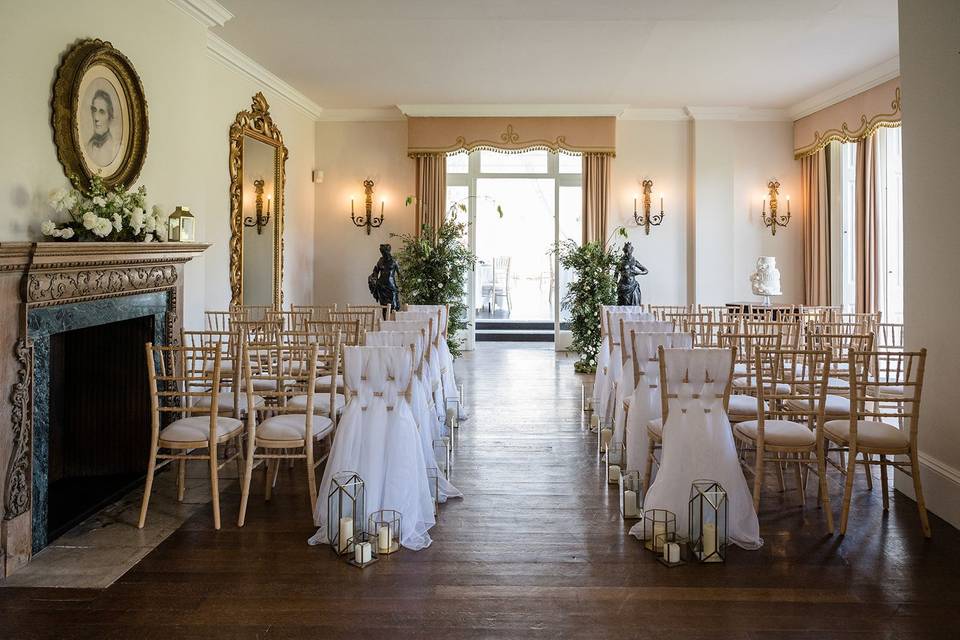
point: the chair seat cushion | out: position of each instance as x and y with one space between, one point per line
655 427
778 433
743 383
834 405
872 434
321 402
838 383
197 429
225 401
742 405
292 426
740 367
226 367
267 384
324 381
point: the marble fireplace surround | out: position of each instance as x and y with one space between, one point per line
41 276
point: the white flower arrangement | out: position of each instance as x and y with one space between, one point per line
119 215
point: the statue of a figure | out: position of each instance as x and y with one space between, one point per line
628 289
383 279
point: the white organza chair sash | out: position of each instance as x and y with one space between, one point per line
439 310
610 356
421 316
386 338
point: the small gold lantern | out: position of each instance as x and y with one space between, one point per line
182 226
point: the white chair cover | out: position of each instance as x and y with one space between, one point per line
450 389
644 394
439 309
429 425
609 359
377 438
433 357
698 444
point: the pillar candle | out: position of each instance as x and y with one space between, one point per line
709 538
629 503
613 474
671 552
606 435
594 421
366 552
358 553
346 532
383 539
659 529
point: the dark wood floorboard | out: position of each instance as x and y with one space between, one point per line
535 550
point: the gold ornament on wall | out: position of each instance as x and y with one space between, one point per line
647 220
773 220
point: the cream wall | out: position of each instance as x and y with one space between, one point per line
929 70
348 153
191 102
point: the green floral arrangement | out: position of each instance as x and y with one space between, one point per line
117 215
595 285
434 268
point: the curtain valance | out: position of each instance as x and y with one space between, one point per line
594 134
849 121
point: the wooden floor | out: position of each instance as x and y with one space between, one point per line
534 550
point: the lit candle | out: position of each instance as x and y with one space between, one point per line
381 208
709 539
764 205
268 205
788 204
383 539
346 532
351 207
629 503
661 203
634 203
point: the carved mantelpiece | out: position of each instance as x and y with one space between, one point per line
46 274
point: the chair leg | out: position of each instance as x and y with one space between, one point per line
867 458
268 478
848 488
783 487
918 490
800 485
181 478
822 481
245 491
311 480
757 478
883 483
151 469
215 485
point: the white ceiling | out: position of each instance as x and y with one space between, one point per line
762 54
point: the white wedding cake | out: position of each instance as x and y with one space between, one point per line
766 279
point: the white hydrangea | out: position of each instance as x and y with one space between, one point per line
136 220
102 227
48 228
89 220
100 201
117 222
66 233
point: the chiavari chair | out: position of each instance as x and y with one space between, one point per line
214 320
720 313
659 311
889 337
789 428
683 321
232 399
885 387
706 334
256 312
368 319
789 332
316 311
349 330
380 311
290 320
443 310
742 404
180 378
296 428
866 321
817 314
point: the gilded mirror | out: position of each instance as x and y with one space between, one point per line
257 160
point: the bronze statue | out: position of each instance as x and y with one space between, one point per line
383 279
628 289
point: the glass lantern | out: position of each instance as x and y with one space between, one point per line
631 495
674 549
453 413
364 550
604 428
385 526
586 397
346 510
433 479
657 525
442 453
708 521
616 454
181 226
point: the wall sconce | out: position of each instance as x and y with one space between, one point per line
773 220
260 220
368 220
646 220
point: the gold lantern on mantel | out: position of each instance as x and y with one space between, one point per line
182 226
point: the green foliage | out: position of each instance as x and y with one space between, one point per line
595 285
434 269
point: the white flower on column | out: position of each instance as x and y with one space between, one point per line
89 220
136 220
66 233
102 227
48 228
117 222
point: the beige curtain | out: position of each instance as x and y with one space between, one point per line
867 226
596 196
816 228
431 189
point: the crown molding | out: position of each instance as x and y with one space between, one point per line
209 13
509 110
857 84
737 114
388 114
654 114
232 58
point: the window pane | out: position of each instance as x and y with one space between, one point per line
456 196
570 163
458 162
570 210
526 162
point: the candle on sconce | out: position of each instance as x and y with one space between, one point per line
764 205
788 205
351 207
381 208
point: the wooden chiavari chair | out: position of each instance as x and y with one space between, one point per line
349 330
720 313
179 378
707 334
380 311
222 320
817 314
684 322
867 322
368 319
290 320
742 404
316 311
443 310
789 430
296 427
789 332
256 312
889 337
232 399
885 387
659 311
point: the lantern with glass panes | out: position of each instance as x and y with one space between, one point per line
658 524
346 510
708 521
615 457
631 495
181 226
385 526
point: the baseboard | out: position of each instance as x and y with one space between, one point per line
941 488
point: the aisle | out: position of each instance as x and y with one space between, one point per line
536 549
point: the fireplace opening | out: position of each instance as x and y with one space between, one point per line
99 434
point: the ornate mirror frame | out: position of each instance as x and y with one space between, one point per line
257 124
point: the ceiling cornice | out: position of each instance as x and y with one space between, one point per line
509 110
389 114
737 114
209 13
228 55
857 84
654 114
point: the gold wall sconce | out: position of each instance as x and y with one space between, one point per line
773 220
260 220
368 220
647 220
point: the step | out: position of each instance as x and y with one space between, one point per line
513 325
514 336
